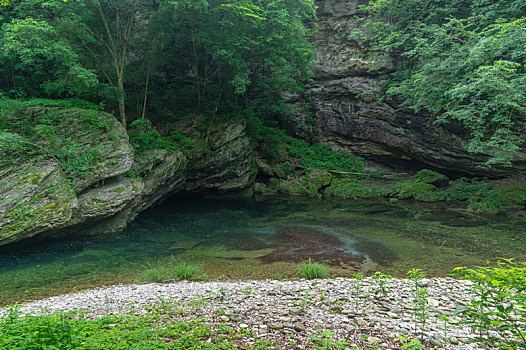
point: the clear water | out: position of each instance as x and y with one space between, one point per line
262 239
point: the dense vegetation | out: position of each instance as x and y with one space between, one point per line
142 58
457 61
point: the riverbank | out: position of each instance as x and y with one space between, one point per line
300 313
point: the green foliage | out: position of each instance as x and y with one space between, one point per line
36 333
186 271
275 145
77 162
464 189
381 282
324 157
156 273
420 299
458 60
312 270
158 329
238 51
144 137
498 309
417 190
62 103
431 177
35 59
354 188
163 272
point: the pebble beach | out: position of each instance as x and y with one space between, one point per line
355 311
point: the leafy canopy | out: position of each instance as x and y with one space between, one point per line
458 61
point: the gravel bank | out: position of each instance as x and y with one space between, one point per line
351 310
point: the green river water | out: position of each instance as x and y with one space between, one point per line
264 239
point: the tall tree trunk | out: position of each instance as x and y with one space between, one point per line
122 111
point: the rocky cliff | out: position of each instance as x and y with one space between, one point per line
39 197
346 108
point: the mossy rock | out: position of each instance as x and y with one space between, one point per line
431 177
419 191
36 197
318 178
512 195
355 190
293 186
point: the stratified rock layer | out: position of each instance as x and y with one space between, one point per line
38 199
349 112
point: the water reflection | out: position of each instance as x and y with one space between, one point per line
259 239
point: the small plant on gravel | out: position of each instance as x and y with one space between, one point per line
445 319
420 300
186 271
312 270
411 344
381 282
278 277
357 289
498 308
326 340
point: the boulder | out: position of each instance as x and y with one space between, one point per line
228 166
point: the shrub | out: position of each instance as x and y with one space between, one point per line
352 188
312 270
144 137
431 177
498 309
419 191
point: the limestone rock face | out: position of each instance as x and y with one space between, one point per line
349 112
34 198
39 197
229 167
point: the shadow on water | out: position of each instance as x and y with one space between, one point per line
259 239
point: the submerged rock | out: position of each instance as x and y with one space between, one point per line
296 243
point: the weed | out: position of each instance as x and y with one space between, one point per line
420 300
498 309
312 270
381 281
155 273
186 271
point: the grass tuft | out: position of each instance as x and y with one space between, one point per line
312 270
186 271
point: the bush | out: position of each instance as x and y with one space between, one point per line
312 270
498 309
431 177
352 188
419 191
144 137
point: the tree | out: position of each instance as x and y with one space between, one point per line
235 52
458 60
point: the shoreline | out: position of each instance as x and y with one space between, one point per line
347 308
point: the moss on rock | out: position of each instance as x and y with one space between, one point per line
431 177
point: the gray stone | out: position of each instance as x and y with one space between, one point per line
276 325
298 327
